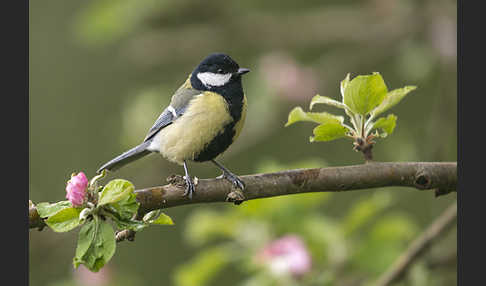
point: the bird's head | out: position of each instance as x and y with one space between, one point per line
216 71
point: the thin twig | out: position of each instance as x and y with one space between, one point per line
418 246
35 221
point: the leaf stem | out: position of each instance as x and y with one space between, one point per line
362 122
369 120
350 128
369 127
358 124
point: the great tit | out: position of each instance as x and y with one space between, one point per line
205 115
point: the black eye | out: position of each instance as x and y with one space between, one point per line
219 71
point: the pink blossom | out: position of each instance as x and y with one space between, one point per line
76 189
287 255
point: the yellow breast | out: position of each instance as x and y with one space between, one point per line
205 117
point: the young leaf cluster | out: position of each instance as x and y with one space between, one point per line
96 239
364 98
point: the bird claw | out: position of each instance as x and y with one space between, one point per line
235 181
190 187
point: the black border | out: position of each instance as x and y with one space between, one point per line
15 134
471 110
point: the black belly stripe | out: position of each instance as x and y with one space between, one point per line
218 145
224 139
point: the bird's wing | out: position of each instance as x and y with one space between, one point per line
180 101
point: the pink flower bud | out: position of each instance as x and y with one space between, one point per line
76 189
287 255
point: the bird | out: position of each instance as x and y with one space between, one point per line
205 116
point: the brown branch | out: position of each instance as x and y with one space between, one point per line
35 220
420 175
419 246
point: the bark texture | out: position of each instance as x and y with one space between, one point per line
438 176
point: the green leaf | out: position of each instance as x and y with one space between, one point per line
344 84
126 207
163 219
364 93
386 124
96 244
64 220
131 224
157 217
297 114
392 98
325 100
124 222
116 190
47 209
328 132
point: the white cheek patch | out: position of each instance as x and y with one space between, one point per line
213 79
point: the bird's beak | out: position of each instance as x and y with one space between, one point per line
242 71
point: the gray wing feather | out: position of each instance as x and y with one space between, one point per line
180 101
164 119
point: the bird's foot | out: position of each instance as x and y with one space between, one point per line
190 186
234 180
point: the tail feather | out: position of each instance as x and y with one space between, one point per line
127 157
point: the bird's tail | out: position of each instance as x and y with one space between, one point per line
127 157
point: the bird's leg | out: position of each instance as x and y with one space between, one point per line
189 183
237 182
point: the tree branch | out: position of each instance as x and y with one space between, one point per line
418 246
35 221
441 176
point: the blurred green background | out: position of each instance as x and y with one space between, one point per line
100 72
